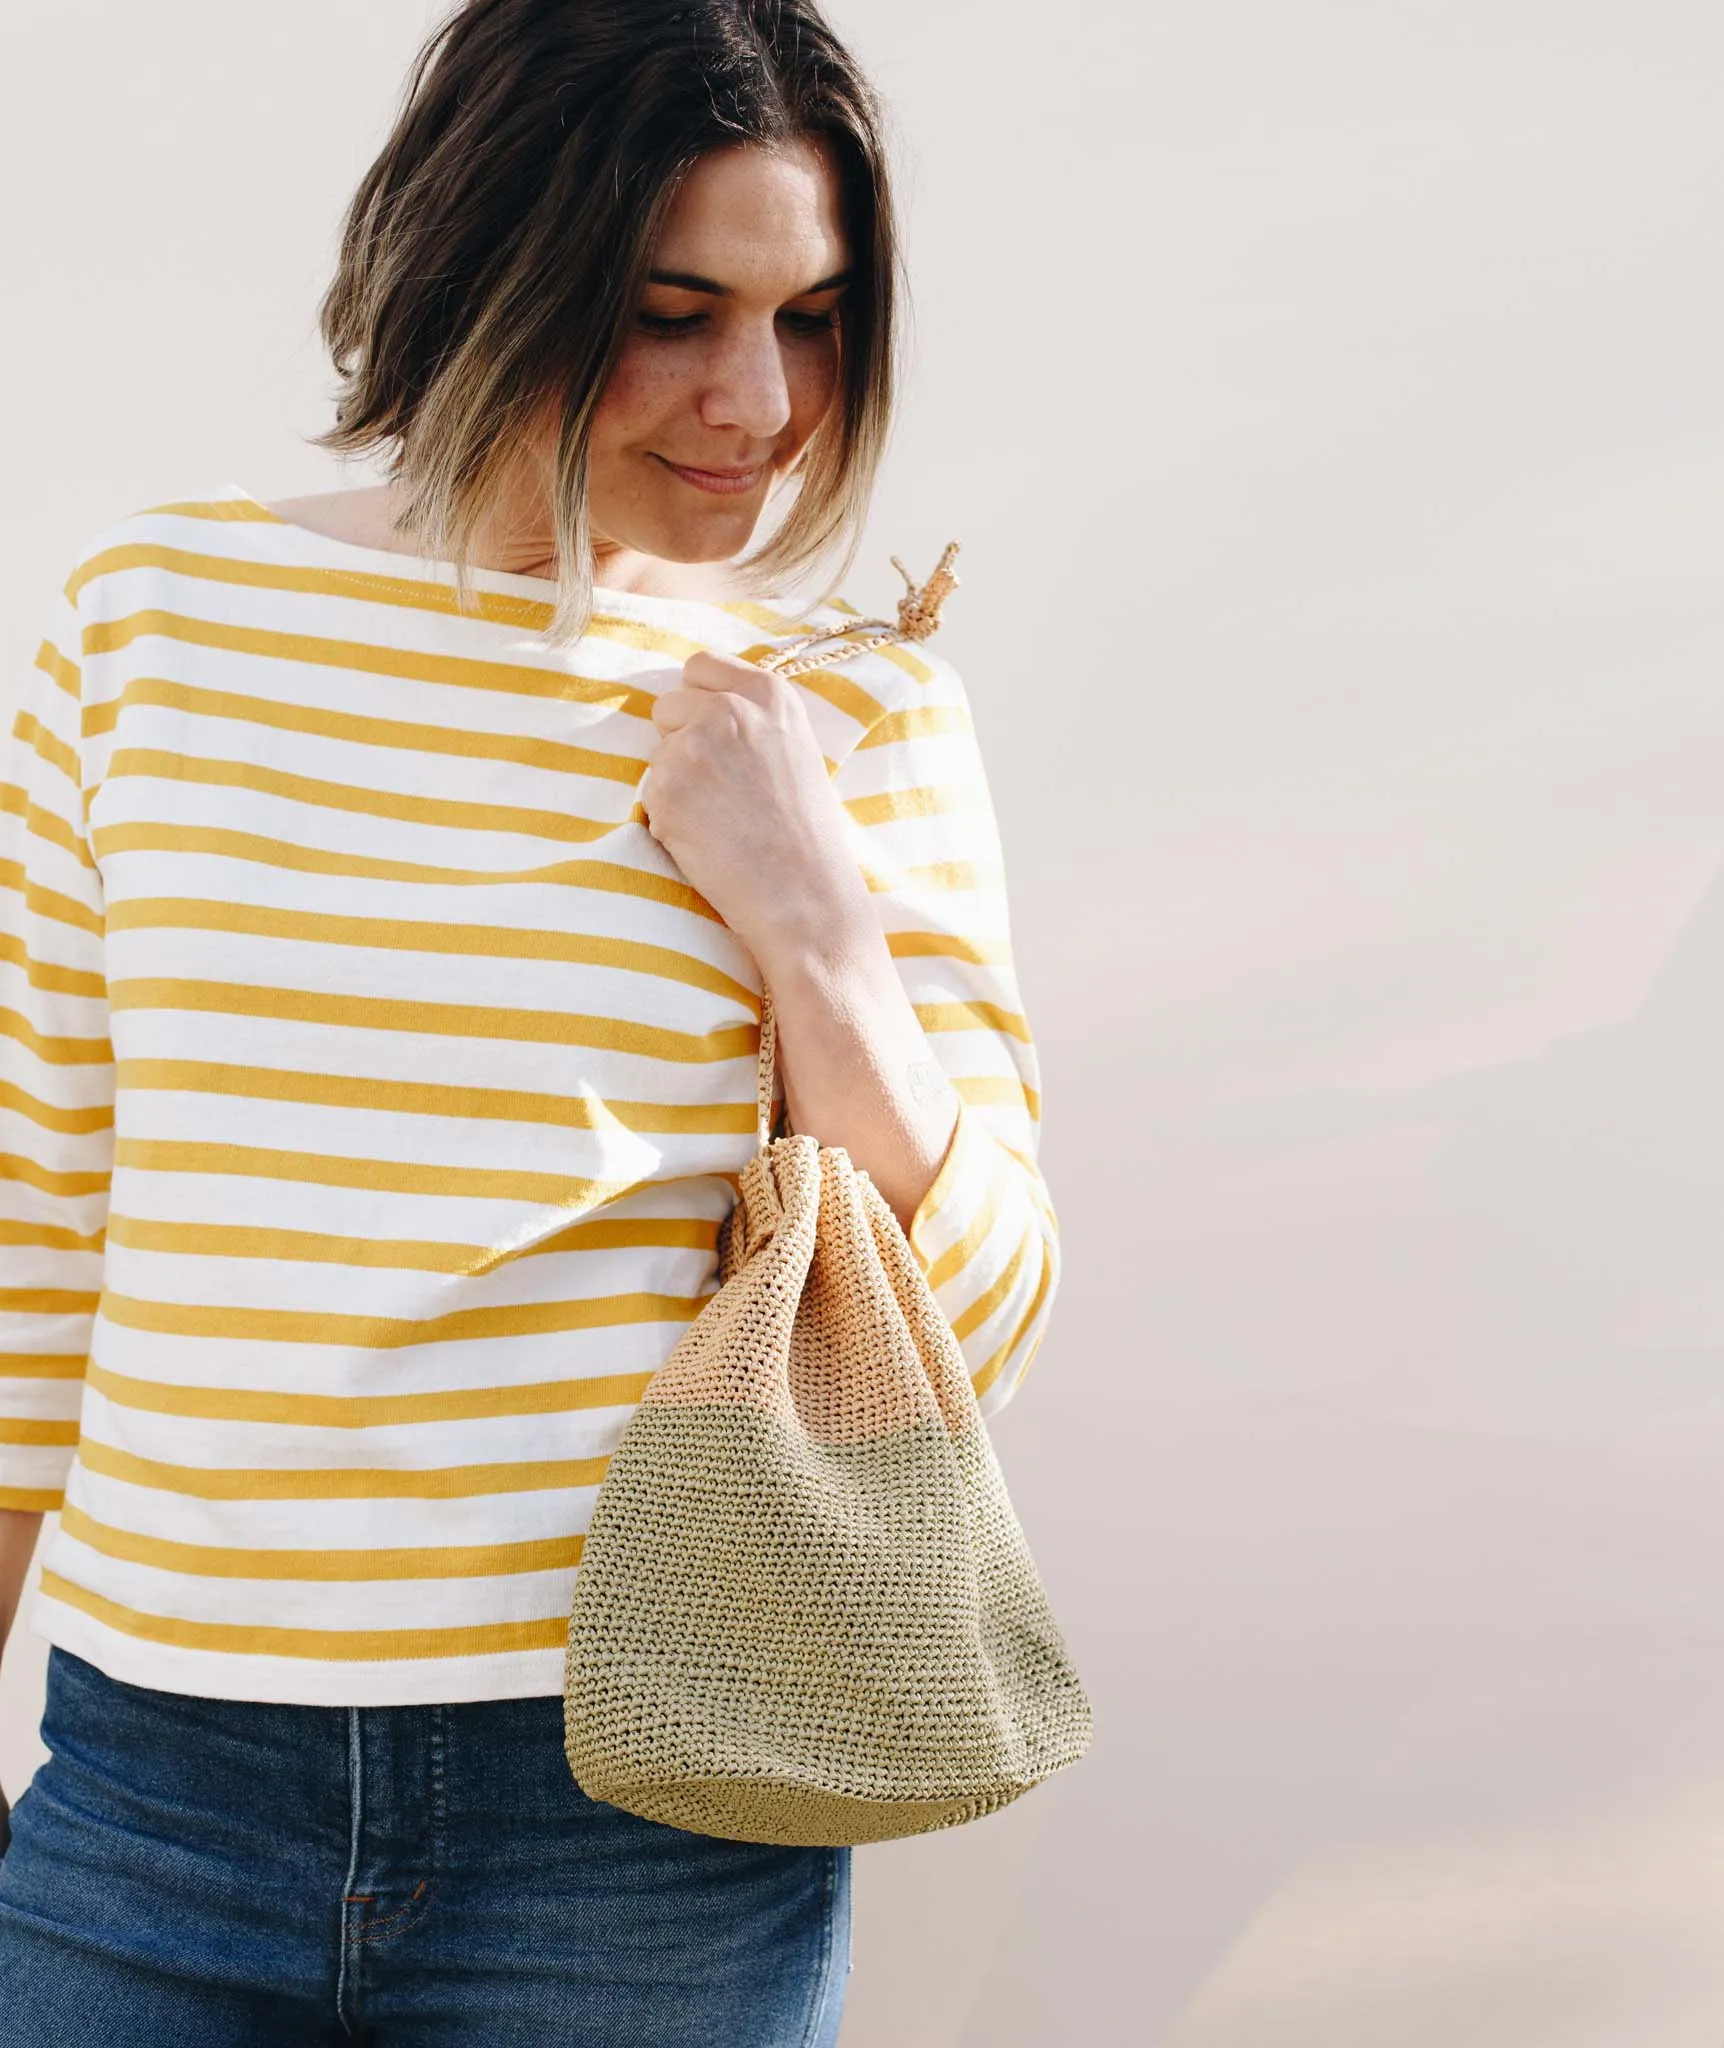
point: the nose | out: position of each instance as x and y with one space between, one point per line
746 387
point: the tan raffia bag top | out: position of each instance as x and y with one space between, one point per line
805 1612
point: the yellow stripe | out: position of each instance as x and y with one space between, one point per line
958 1255
48 903
158 838
367 1411
71 1122
376 1176
988 1301
325 1644
49 974
921 721
448 813
523 749
1000 1091
48 746
958 874
431 1561
406 935
389 1482
675 647
411 593
769 620
842 694
429 1098
937 1017
48 1234
929 801
243 1241
16 802
55 1436
15 1167
243 510
611 876
913 666
991 1371
63 674
363 658
949 946
25 1500
396 1333
41 1365
973 1017
53 1049
47 1301
452 1020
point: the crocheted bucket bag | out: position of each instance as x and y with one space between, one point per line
805 1611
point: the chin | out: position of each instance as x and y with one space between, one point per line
715 538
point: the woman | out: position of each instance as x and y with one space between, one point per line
380 1048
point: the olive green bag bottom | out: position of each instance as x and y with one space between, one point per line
805 1612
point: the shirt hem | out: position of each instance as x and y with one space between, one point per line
295 1681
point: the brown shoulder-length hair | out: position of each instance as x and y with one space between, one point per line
493 256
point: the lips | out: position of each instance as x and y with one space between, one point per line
721 482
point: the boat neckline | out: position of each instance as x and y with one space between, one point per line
645 605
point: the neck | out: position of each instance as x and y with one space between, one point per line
516 538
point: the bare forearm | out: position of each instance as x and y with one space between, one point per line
857 1067
18 1533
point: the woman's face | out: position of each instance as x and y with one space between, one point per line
732 361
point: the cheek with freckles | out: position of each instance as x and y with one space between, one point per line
649 390
648 408
813 381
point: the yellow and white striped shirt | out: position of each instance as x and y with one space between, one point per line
373 1086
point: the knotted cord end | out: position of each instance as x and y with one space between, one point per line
919 608
918 618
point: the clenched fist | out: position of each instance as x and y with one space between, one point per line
737 793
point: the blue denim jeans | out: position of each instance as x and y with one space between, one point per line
197 1873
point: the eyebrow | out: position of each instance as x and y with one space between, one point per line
687 281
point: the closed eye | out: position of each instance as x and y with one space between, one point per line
671 324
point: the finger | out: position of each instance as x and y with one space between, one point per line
675 709
708 671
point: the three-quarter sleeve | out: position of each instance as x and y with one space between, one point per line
56 1070
985 1234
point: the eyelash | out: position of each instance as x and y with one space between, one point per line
669 326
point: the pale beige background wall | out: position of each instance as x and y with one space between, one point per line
1336 385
